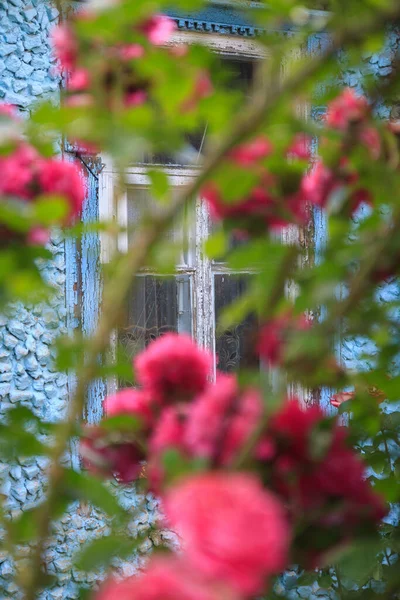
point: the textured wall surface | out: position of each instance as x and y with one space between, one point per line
27 374
25 61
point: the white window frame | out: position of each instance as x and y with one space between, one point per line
199 266
202 270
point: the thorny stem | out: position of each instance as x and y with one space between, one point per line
120 282
275 296
339 582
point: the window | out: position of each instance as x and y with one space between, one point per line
234 347
192 298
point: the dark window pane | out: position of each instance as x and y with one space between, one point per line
156 305
235 347
241 73
239 77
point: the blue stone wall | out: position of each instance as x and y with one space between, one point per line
26 65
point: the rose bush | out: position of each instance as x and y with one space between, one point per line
252 478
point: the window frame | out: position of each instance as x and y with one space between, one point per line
113 206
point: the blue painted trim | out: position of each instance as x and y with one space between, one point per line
84 282
91 282
222 17
219 17
216 19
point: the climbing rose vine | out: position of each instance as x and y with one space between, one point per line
119 83
28 179
301 492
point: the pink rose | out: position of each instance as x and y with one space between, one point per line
300 147
38 236
232 528
111 453
79 100
322 488
347 108
251 152
221 420
318 185
135 98
17 172
274 334
170 429
168 434
8 110
62 178
370 137
173 368
79 80
166 578
65 46
131 402
131 51
158 29
258 204
203 88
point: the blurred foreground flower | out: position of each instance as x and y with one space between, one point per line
167 578
232 529
307 460
36 192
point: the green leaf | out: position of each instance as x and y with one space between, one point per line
358 562
123 422
19 434
159 185
389 487
307 578
177 465
216 245
79 485
325 580
101 551
320 439
236 312
25 528
49 210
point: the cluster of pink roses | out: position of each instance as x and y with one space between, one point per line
102 72
118 77
27 176
277 199
178 409
307 461
272 201
350 115
300 491
275 333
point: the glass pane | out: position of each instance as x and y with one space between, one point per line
140 203
156 305
239 76
241 73
235 347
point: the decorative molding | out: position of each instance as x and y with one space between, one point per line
233 17
224 44
191 24
221 18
